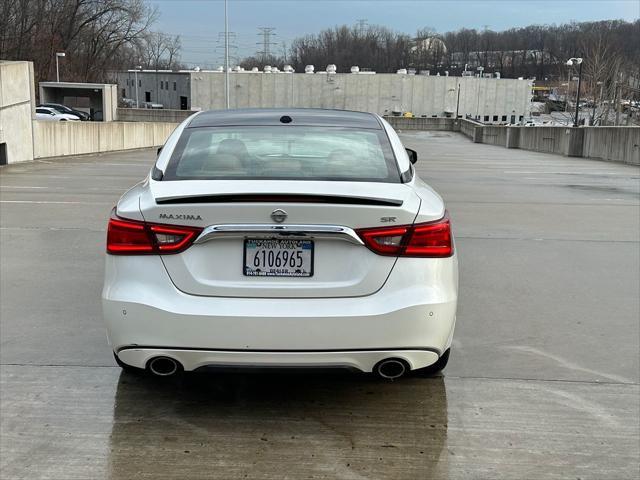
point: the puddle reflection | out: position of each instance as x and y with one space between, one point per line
278 425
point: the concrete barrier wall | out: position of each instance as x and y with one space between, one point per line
53 139
544 139
494 135
471 129
16 110
421 123
616 144
152 115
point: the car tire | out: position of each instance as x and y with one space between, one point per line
127 368
434 368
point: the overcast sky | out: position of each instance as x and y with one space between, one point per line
199 22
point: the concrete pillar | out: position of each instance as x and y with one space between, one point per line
575 143
513 137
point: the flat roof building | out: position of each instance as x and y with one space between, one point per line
490 100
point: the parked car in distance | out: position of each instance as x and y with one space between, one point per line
53 115
84 116
281 238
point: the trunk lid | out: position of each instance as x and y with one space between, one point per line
341 266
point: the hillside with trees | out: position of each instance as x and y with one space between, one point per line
611 51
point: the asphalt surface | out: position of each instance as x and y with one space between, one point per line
543 380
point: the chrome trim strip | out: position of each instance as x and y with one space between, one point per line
308 231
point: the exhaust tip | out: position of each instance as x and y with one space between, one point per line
164 366
391 368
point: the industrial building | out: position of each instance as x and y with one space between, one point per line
490 100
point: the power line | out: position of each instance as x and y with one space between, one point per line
362 25
266 43
231 45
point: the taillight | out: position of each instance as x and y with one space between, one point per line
128 237
133 237
431 239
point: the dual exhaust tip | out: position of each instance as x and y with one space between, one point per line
164 366
389 368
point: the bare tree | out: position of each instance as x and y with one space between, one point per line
97 35
158 50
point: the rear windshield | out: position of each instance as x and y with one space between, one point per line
283 152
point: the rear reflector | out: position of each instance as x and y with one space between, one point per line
431 239
133 237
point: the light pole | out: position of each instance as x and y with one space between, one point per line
570 62
58 55
480 69
135 74
226 55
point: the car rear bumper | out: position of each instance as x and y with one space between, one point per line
190 360
409 318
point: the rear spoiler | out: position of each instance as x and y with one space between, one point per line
279 198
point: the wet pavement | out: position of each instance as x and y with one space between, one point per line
543 380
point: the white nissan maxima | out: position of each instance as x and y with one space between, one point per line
281 238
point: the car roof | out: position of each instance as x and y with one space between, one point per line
274 116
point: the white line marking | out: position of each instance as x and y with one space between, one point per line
576 402
567 364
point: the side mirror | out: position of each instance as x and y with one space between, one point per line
413 155
159 150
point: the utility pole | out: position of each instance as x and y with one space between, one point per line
226 55
266 43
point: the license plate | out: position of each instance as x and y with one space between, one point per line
278 258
